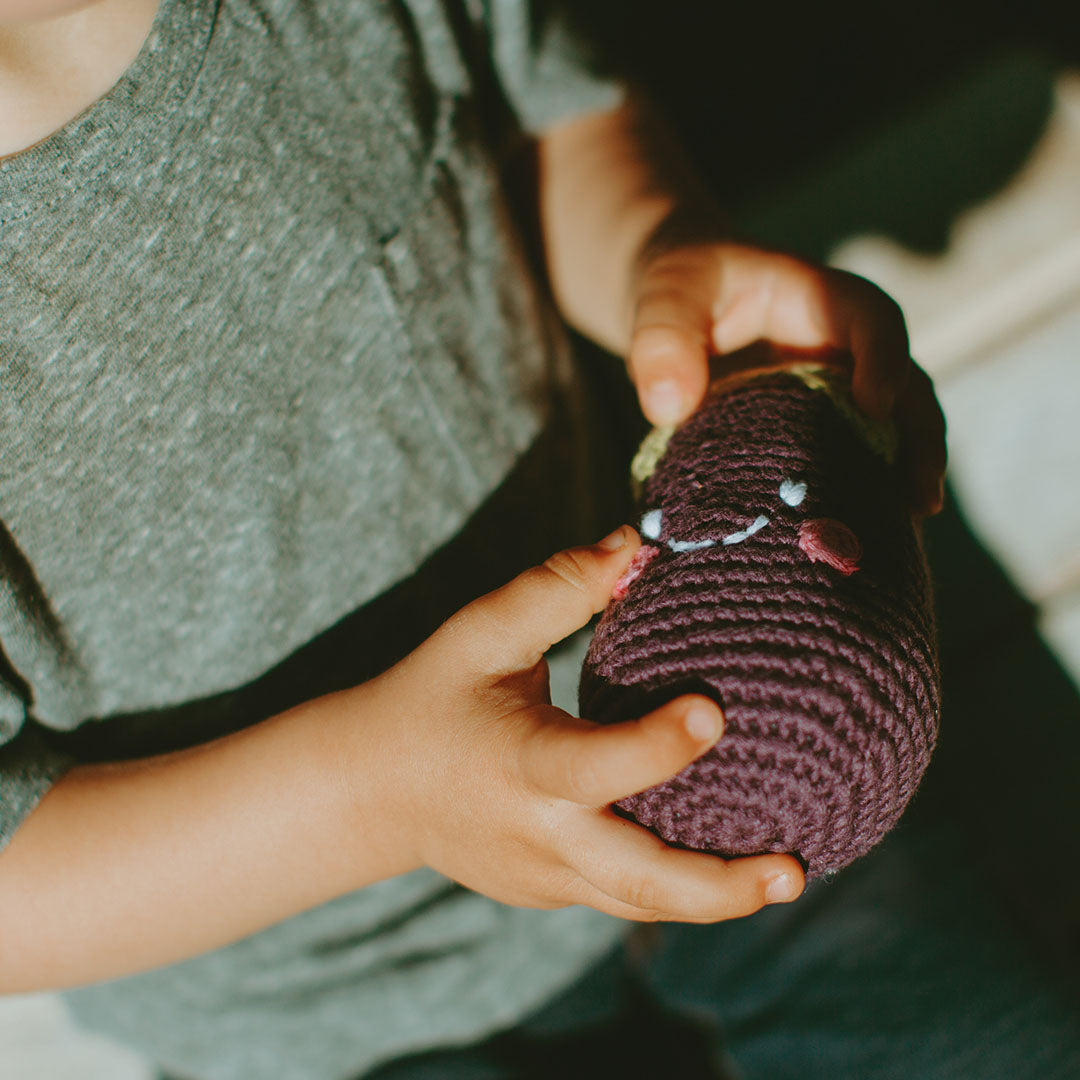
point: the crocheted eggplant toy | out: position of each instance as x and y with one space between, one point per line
781 575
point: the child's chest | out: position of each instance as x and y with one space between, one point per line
260 363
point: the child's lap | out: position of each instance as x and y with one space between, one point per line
901 967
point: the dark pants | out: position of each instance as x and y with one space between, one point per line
901 968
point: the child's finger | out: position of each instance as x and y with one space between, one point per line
670 344
870 324
637 870
922 443
887 381
511 628
594 765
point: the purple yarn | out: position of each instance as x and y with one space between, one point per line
827 676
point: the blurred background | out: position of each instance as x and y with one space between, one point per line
936 152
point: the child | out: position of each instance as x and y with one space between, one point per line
282 393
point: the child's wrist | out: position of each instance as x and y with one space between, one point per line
366 788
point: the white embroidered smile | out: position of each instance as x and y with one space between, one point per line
791 492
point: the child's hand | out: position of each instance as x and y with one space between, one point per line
695 300
496 788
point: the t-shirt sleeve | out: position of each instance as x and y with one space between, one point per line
547 71
29 765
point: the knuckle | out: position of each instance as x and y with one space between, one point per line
562 887
554 886
669 267
664 352
640 893
661 338
664 283
570 568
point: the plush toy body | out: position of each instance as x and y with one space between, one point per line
782 576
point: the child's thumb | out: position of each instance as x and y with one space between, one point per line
511 628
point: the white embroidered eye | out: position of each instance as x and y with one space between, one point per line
792 493
650 523
756 525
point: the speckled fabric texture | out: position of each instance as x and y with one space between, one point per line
788 584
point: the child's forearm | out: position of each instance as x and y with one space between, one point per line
606 182
124 867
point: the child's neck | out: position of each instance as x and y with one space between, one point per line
53 69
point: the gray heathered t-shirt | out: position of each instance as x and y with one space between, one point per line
273 362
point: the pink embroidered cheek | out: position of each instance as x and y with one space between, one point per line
830 541
644 556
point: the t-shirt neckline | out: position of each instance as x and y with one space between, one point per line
145 97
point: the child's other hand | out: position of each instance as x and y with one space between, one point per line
501 791
692 301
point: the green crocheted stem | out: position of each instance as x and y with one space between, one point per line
879 435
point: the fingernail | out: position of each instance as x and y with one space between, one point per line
614 541
780 890
664 401
702 723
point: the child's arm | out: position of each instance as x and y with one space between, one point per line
641 261
452 759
